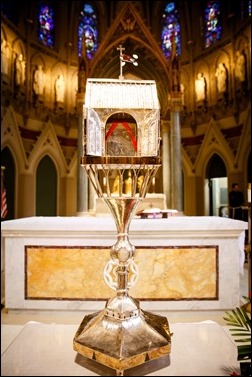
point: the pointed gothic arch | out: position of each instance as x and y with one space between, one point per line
46 188
216 167
216 176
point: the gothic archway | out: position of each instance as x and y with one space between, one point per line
46 188
218 186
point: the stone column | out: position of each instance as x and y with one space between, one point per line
82 179
175 152
166 161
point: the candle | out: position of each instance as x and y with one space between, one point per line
249 192
153 185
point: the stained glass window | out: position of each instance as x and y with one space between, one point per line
213 29
170 29
87 31
245 8
46 24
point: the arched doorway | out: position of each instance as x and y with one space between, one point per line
218 187
46 188
9 182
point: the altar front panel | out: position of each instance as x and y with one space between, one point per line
166 273
100 232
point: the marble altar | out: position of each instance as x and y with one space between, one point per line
210 245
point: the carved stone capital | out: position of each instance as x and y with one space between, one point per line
164 125
175 101
79 102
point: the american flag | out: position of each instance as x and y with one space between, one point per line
4 209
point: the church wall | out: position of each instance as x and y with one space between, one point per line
67 195
195 196
26 200
238 176
33 113
190 199
71 197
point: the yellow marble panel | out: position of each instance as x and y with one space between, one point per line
165 273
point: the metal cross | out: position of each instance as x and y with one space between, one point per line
121 49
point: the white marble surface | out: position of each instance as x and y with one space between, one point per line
228 234
197 349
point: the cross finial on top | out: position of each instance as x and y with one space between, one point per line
125 59
121 49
